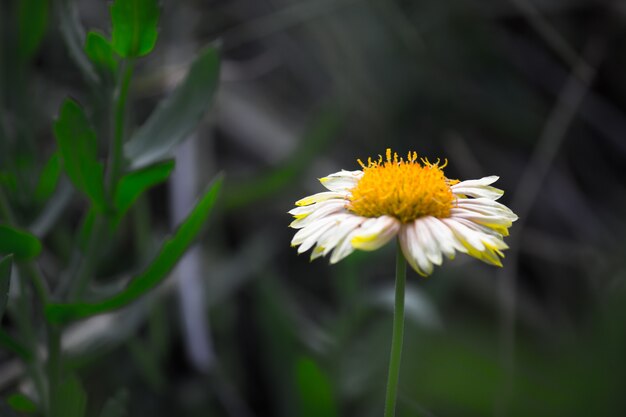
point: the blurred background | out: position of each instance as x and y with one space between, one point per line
533 91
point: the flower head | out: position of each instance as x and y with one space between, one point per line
410 198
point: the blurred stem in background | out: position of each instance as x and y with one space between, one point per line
117 144
194 312
549 143
397 335
25 315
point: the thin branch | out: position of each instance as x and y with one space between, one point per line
524 197
552 37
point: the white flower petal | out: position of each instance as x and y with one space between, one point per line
413 252
491 237
428 241
479 192
344 246
342 181
310 241
486 212
448 242
316 253
308 236
468 237
476 225
373 235
323 196
304 211
326 233
404 238
495 222
343 249
481 242
300 212
478 188
482 204
487 207
478 183
324 209
329 240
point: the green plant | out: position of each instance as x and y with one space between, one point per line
41 307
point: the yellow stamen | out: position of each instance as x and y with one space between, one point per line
404 189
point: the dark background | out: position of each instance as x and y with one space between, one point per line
532 91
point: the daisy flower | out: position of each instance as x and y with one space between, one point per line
411 198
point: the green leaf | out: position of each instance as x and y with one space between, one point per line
134 26
132 185
100 51
70 399
49 178
33 19
5 280
79 150
172 250
316 398
21 244
176 116
23 404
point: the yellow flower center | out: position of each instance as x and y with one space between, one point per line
404 189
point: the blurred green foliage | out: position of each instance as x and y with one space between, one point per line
33 21
175 117
171 252
134 27
79 148
315 390
132 185
112 190
278 94
5 279
18 243
20 402
100 52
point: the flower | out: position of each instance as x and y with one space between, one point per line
432 215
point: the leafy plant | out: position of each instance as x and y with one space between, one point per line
134 165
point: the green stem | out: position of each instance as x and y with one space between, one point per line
88 261
23 317
38 282
54 366
116 156
116 159
5 209
397 336
41 289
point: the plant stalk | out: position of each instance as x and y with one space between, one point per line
115 164
24 306
397 336
116 155
54 366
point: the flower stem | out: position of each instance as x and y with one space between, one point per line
54 367
116 156
396 337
